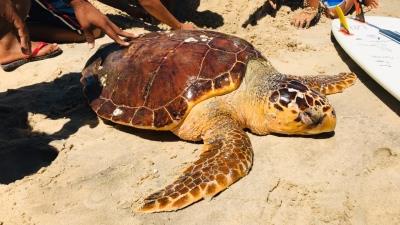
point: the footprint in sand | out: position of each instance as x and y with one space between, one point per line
95 200
385 157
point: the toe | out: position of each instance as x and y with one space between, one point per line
49 48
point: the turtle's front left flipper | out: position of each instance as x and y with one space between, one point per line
329 84
226 157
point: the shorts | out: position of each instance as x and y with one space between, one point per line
54 12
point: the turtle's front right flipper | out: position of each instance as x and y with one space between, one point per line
226 157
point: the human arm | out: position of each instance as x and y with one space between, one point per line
158 10
9 14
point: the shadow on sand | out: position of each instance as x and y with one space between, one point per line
126 22
24 151
184 11
266 9
375 88
187 11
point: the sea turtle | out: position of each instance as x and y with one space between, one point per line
209 86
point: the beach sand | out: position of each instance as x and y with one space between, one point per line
60 164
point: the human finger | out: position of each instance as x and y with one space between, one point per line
272 4
303 22
294 22
297 23
89 36
107 28
308 22
121 32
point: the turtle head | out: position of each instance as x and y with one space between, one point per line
293 108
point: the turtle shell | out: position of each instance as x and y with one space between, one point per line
155 82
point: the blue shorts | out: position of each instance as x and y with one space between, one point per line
53 12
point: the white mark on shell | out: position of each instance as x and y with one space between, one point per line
285 99
103 80
117 112
205 38
189 94
292 90
300 95
191 39
293 104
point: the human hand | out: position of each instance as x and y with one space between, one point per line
89 18
9 13
373 4
303 19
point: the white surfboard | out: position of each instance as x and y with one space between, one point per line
373 46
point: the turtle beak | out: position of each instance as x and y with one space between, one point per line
318 122
327 124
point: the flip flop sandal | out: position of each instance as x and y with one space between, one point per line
33 57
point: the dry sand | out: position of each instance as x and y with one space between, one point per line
59 164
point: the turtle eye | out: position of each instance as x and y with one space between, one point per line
333 113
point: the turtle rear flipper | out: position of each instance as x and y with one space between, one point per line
329 84
227 156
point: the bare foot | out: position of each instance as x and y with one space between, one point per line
14 54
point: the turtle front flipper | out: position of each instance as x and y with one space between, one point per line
226 157
329 84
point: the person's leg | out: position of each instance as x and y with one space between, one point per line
346 6
50 33
160 12
62 28
10 49
134 10
155 8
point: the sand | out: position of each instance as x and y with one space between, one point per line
60 164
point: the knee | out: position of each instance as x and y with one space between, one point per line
22 7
